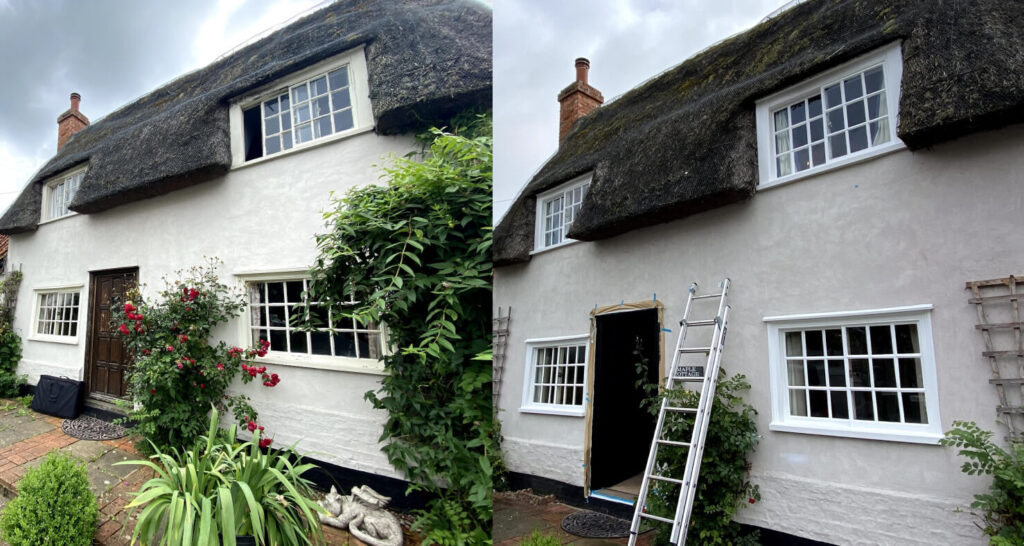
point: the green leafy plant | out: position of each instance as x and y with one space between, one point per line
178 373
724 484
10 342
53 506
1003 506
416 253
537 538
217 489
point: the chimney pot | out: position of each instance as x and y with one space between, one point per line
75 100
577 100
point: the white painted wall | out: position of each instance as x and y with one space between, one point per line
260 217
904 229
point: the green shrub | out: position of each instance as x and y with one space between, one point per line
1003 505
417 254
537 538
53 506
723 484
10 356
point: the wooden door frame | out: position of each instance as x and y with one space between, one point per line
87 375
592 358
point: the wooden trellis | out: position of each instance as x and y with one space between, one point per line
999 321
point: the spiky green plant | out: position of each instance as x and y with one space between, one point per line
218 490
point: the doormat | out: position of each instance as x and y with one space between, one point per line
595 525
91 428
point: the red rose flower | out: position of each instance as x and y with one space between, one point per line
128 307
265 442
152 391
180 366
124 329
251 426
183 338
220 366
170 349
201 385
146 352
751 500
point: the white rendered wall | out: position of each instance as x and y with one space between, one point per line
904 229
257 218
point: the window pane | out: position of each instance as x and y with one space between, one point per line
798 403
277 316
814 106
910 373
840 409
859 374
302 114
286 121
858 139
340 99
784 165
853 88
287 140
321 106
837 144
873 79
796 372
856 337
285 103
879 132
836 373
318 86
802 159
275 292
781 119
273 145
814 343
834 342
797 113
272 126
304 133
913 408
320 342
818 154
339 78
888 406
863 408
270 108
816 373
881 340
794 344
278 340
293 291
833 96
885 373
817 130
322 127
799 136
343 120
906 339
835 120
782 142
298 340
877 106
819 403
370 346
855 113
300 94
345 344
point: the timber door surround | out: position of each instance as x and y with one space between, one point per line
106 361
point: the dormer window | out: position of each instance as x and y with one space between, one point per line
58 193
843 116
556 210
327 100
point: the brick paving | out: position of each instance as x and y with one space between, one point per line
517 515
27 437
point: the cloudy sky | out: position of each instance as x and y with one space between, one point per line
627 41
109 51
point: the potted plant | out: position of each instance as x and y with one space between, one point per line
219 491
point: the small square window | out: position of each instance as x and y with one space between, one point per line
556 211
57 314
556 376
58 194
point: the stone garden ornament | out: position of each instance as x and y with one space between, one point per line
363 514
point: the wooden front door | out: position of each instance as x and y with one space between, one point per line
106 359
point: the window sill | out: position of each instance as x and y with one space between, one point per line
337 364
305 146
65 340
851 159
52 220
565 243
863 433
567 412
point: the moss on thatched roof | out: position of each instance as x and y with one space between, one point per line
685 141
427 61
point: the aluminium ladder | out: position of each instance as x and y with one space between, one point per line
707 376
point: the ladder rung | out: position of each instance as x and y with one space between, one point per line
709 322
658 518
1002 353
1010 409
706 296
1000 326
1007 381
689 379
666 479
995 299
674 443
695 350
680 409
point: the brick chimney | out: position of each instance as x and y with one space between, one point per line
577 100
70 122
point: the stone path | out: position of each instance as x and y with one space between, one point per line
517 515
26 437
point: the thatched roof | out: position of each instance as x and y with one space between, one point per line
685 141
427 61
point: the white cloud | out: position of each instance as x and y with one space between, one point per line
222 31
16 169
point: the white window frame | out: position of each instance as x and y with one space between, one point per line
890 58
359 92
528 405
322 362
38 294
781 420
74 176
542 199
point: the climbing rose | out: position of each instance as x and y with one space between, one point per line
180 366
129 308
124 329
220 366
751 500
152 391
170 349
183 338
265 442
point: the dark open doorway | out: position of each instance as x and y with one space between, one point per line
621 430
